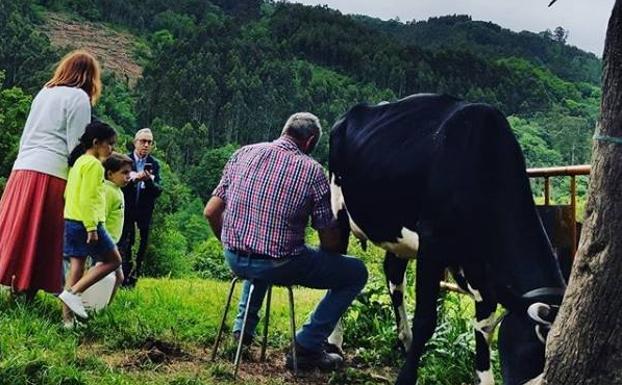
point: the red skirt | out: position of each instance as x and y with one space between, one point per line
31 232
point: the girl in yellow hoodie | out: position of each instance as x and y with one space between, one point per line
85 204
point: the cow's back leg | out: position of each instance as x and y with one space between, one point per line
395 273
429 274
484 326
473 280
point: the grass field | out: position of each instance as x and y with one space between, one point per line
162 333
159 333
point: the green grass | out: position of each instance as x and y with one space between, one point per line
180 317
111 347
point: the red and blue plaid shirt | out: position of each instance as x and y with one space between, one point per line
270 190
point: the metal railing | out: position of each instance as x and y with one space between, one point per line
572 171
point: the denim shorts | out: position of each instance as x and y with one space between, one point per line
75 241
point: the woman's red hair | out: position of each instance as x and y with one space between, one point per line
79 69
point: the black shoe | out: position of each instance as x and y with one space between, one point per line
309 359
246 341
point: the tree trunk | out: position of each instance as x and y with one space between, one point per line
585 344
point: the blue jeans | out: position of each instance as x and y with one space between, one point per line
343 276
75 241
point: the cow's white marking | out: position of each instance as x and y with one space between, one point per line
337 202
476 294
486 377
535 380
486 325
541 338
407 243
404 332
406 246
336 337
534 312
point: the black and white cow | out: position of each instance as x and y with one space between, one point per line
444 180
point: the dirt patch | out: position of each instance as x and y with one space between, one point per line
114 49
155 353
166 360
274 367
254 371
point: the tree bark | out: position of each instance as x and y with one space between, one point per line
585 344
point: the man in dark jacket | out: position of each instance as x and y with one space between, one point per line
140 196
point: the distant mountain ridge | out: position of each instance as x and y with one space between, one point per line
233 70
491 40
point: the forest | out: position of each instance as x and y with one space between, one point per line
221 74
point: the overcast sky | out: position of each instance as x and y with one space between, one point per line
585 19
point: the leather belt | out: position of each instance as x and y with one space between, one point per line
252 255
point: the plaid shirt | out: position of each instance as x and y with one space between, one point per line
270 190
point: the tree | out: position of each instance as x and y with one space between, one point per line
560 35
14 106
25 53
205 176
585 344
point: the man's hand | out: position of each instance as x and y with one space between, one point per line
92 237
330 239
143 176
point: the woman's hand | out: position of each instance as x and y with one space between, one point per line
92 237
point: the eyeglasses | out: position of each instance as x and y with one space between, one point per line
145 141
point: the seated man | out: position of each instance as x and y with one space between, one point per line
260 210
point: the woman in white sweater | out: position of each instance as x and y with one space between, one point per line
31 208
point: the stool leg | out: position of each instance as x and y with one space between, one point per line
266 322
238 353
224 318
292 318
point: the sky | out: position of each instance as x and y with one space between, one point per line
586 20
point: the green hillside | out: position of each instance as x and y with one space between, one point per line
547 48
211 76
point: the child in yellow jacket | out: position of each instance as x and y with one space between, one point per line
85 233
117 168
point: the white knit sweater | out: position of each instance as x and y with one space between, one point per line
57 119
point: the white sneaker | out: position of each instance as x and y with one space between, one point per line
74 302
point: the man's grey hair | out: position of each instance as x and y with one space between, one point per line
143 131
302 125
